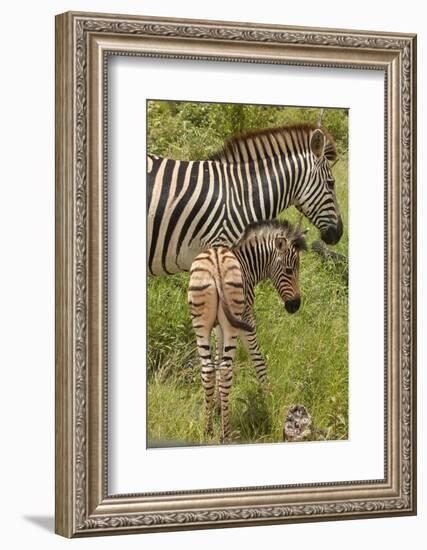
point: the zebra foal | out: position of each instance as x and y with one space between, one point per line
221 292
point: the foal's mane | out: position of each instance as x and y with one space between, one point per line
274 228
271 142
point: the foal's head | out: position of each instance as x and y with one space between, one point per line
284 270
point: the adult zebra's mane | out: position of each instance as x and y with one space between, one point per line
272 142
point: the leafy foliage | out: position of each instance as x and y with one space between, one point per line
194 131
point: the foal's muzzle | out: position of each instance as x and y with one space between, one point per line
292 306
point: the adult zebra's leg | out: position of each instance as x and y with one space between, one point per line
226 379
252 347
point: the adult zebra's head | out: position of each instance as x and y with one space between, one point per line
316 198
284 270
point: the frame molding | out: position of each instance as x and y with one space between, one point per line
83 43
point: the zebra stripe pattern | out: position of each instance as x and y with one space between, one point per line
221 292
193 205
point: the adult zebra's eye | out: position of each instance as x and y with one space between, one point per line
331 183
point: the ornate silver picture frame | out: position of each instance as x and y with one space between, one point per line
84 43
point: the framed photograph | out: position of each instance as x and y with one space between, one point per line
235 274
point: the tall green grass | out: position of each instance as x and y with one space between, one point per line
306 354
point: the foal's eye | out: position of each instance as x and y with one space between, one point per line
289 271
331 183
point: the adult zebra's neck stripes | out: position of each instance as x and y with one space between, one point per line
193 205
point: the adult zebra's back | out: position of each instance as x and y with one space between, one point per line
193 205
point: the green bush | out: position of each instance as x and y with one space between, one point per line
194 131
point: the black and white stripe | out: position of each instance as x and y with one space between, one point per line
193 205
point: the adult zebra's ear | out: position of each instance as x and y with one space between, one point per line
317 143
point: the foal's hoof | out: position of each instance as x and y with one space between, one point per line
231 437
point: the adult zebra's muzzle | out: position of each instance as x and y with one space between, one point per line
292 305
333 233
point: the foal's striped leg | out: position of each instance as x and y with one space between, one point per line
251 344
219 343
226 379
203 304
207 371
208 374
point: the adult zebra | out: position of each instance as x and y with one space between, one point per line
193 205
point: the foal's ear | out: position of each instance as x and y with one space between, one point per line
281 243
317 143
299 241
